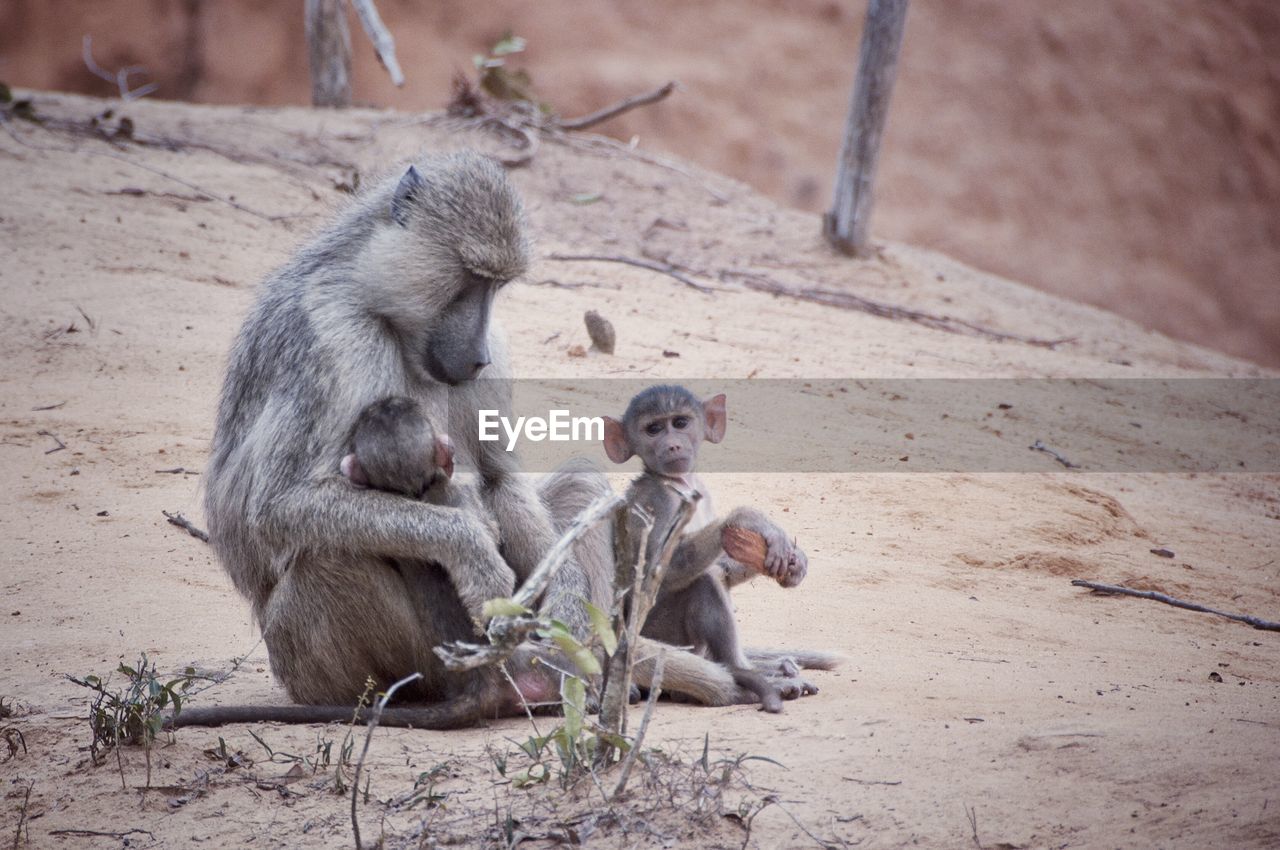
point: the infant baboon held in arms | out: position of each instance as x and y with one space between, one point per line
395 448
665 426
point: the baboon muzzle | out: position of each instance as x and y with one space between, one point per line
459 350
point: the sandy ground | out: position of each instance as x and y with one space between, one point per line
1119 152
985 701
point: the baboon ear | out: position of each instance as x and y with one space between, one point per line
406 192
713 413
443 455
355 473
616 444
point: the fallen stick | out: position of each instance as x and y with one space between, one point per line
660 268
61 445
1177 603
849 301
182 522
1038 446
602 115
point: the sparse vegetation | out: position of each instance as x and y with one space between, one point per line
134 714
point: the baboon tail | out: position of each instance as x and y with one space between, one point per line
696 677
809 659
455 714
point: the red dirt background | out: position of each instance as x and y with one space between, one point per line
1124 153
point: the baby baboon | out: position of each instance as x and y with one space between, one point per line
665 426
394 298
395 448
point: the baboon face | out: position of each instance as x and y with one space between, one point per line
469 239
459 350
665 425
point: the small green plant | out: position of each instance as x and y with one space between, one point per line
498 79
134 714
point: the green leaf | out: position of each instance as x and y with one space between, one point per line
508 45
603 628
502 607
573 697
581 657
534 774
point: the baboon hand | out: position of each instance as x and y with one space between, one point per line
793 687
784 561
483 576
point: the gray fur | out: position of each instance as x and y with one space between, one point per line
665 425
346 583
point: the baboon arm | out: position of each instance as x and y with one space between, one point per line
331 514
734 573
524 523
701 549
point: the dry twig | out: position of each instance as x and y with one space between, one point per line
849 301
124 834
120 78
61 445
655 690
383 44
661 268
22 816
602 115
1038 446
373 724
507 633
1257 623
182 522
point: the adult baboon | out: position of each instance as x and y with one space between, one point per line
394 298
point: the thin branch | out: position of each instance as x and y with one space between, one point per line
182 522
849 301
1038 446
373 724
127 832
655 690
660 268
1257 623
213 196
559 552
22 816
625 105
507 633
61 445
383 43
120 78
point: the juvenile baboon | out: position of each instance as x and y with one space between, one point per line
392 299
665 426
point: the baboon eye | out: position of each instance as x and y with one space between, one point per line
681 422
653 429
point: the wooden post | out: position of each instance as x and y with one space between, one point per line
329 49
847 226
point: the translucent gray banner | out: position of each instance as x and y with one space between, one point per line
927 425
